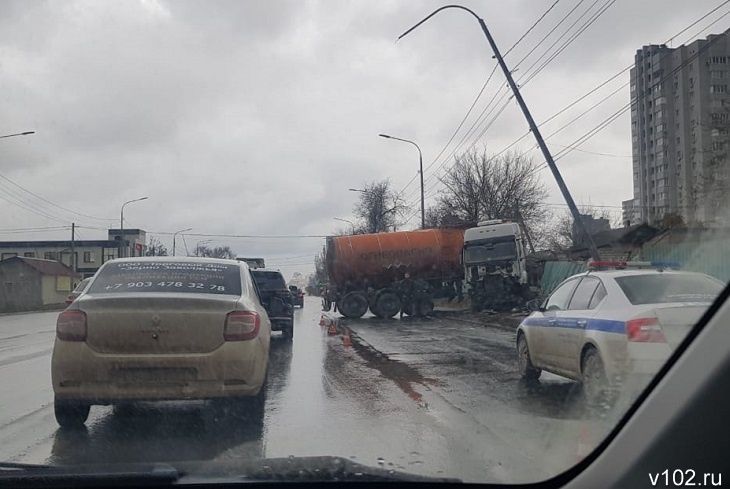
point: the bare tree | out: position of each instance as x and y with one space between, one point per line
442 215
156 248
217 252
561 234
320 267
480 187
378 208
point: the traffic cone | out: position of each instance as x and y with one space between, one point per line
322 321
346 341
332 329
584 445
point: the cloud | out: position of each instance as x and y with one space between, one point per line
256 117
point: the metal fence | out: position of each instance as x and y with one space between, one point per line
711 257
708 254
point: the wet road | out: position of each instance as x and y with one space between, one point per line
435 397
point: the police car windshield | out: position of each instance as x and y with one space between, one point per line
666 288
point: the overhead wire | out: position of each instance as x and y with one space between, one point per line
614 116
471 108
575 35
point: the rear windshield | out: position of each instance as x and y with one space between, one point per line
269 280
664 288
201 278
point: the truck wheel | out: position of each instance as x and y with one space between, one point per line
387 304
354 305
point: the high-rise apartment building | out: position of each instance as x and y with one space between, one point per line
680 129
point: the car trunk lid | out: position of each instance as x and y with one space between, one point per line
162 323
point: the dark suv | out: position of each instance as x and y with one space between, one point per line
297 295
277 299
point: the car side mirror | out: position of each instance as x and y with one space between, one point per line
534 305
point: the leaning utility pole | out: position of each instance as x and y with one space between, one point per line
533 128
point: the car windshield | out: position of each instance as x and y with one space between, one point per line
490 252
151 276
663 288
269 280
397 236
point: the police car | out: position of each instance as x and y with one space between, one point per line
617 322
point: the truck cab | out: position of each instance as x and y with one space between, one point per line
494 264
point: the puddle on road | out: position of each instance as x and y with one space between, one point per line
403 375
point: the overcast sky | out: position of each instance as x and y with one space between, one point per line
255 117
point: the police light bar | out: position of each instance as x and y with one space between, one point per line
635 264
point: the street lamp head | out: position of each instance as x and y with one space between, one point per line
385 136
27 133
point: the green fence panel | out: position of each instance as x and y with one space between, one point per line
710 257
557 271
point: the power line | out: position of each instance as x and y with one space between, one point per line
613 117
587 24
567 43
475 102
530 29
48 201
547 35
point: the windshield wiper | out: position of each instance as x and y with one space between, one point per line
294 469
134 475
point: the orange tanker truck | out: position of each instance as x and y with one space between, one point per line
368 271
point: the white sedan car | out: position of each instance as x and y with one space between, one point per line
161 328
613 324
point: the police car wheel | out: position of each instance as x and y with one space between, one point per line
595 384
527 369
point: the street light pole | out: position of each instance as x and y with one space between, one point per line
533 127
197 245
420 170
175 236
345 220
26 133
121 226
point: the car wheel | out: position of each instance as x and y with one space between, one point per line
527 369
70 414
354 305
595 383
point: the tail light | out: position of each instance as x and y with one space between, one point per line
69 300
71 326
241 326
645 330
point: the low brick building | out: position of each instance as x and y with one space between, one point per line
28 284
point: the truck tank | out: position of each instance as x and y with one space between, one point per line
383 258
